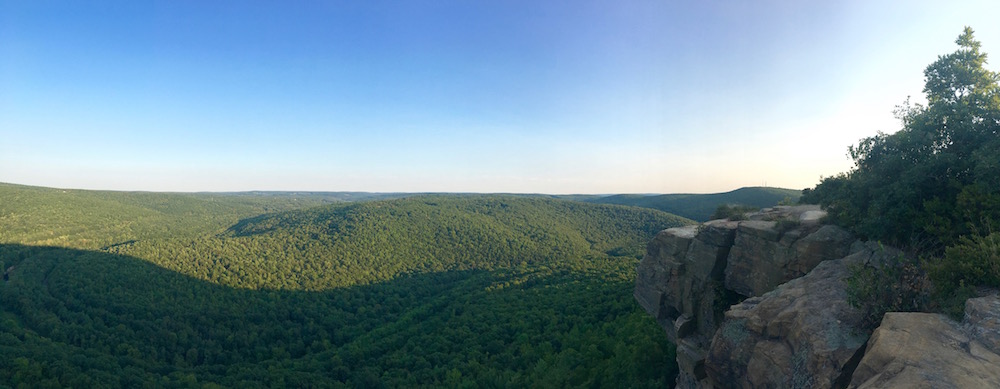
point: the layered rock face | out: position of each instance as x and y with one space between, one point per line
803 334
691 275
763 303
681 285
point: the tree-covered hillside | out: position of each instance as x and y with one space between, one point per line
700 207
437 290
343 245
95 219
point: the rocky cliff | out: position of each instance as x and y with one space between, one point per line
762 303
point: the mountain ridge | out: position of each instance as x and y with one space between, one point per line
700 207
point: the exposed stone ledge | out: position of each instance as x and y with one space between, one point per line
795 327
925 350
800 335
691 275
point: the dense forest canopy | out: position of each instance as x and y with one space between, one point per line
116 289
700 207
94 219
934 186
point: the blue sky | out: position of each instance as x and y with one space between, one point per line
459 96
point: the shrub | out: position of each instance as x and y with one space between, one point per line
732 212
785 225
893 286
973 262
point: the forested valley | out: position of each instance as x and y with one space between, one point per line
115 289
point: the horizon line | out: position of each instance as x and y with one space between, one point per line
388 192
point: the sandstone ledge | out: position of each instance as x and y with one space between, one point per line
925 350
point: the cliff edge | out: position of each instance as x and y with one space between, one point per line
762 302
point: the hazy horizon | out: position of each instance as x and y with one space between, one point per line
391 193
456 97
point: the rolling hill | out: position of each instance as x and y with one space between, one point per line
343 245
424 291
94 219
700 207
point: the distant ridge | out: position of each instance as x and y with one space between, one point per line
700 207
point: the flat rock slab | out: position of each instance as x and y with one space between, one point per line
925 350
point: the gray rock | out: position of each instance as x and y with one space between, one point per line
660 276
718 233
829 242
925 350
796 329
763 256
679 282
982 321
801 334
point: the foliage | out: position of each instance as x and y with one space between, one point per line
892 286
931 187
974 261
337 246
96 219
428 291
937 178
700 207
732 212
504 328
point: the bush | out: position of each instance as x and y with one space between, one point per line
894 286
732 212
785 225
974 261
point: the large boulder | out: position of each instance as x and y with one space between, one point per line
704 263
828 242
925 350
757 260
766 253
803 334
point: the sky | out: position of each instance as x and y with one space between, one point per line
460 96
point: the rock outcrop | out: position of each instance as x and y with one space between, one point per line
762 302
680 284
925 350
803 334
767 253
691 275
982 321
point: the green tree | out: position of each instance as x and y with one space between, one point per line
913 187
932 187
